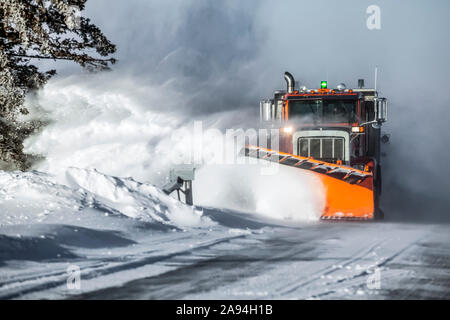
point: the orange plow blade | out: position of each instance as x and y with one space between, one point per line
348 191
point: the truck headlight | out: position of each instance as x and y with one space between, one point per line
287 129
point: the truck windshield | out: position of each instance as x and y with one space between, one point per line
323 111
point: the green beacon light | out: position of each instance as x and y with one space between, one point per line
323 85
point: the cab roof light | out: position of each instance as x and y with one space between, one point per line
323 84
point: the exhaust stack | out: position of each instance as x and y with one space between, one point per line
290 82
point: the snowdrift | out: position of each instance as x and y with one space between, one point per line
36 197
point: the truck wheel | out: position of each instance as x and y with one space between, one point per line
379 214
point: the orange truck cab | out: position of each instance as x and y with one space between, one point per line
340 131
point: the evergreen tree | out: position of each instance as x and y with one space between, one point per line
40 29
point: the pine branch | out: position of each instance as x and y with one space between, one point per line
111 60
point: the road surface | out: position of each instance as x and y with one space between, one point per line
240 257
319 261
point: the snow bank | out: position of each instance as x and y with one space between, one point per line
133 199
34 197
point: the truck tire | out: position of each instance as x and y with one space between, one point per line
379 214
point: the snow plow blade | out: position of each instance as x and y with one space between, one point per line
349 192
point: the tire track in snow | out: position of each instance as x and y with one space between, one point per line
333 268
58 279
362 276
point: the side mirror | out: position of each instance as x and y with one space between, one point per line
381 111
266 110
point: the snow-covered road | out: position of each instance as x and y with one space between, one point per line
236 256
324 261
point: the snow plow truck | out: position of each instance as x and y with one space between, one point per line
336 135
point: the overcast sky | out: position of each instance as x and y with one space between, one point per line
309 38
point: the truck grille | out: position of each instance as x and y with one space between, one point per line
321 147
